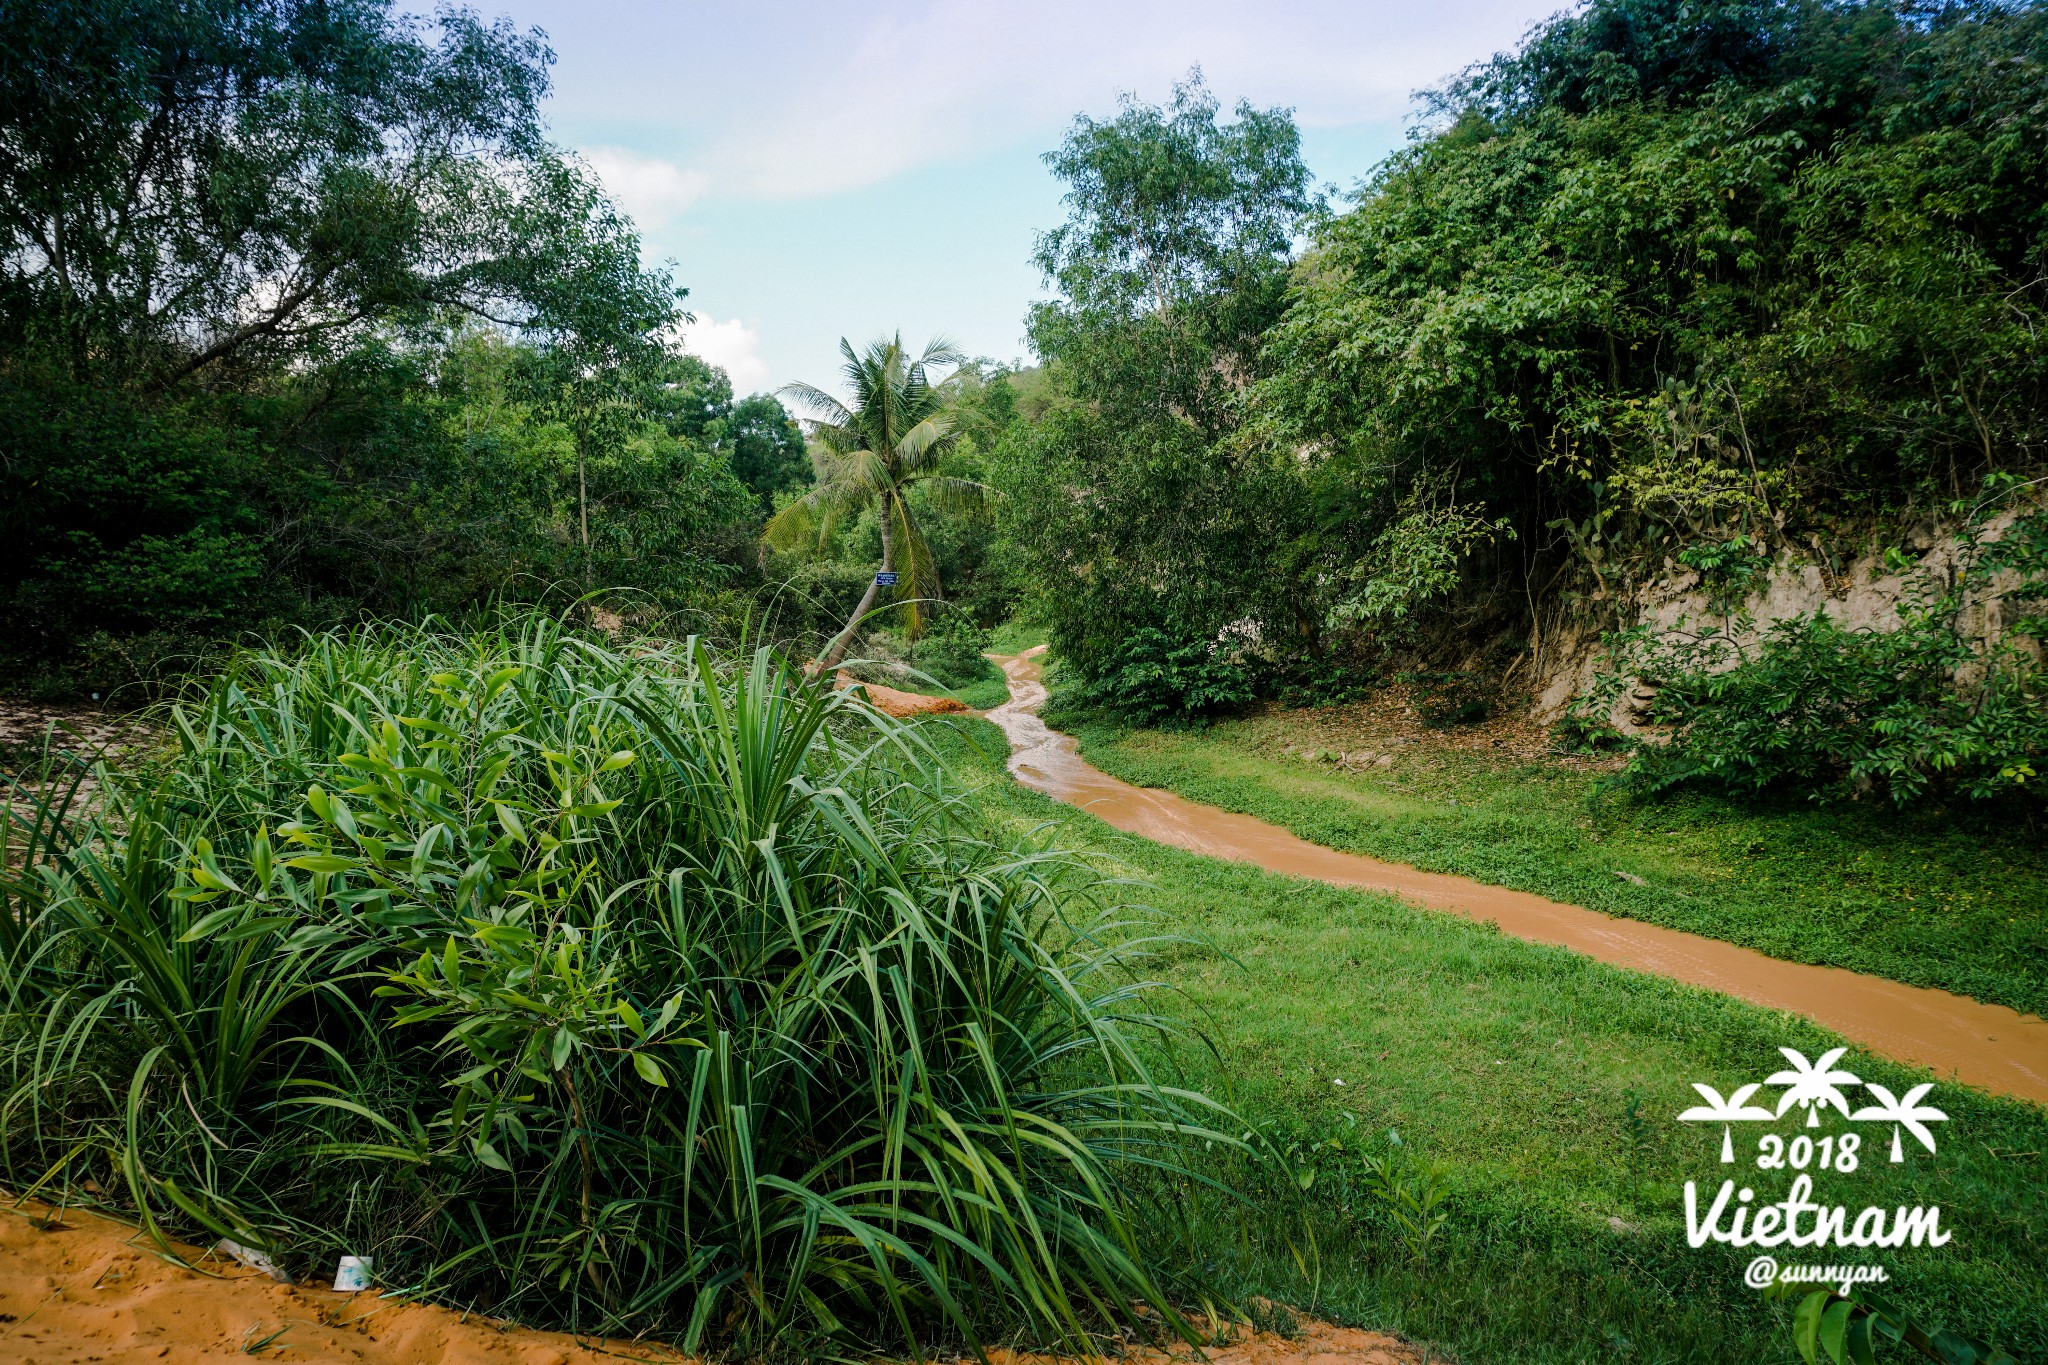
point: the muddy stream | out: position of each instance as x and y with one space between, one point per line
1988 1046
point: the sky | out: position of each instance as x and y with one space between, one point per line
816 170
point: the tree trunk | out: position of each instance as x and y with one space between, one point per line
836 651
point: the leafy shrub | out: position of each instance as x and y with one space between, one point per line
951 651
1730 570
1922 709
1157 678
626 989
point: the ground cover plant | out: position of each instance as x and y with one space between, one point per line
1353 1030
627 988
1945 897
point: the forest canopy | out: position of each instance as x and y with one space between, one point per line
302 316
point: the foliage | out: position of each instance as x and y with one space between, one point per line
895 436
953 650
1127 508
1848 1327
1154 678
189 190
1928 708
303 319
626 989
1731 569
1671 276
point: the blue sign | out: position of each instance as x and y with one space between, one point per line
885 580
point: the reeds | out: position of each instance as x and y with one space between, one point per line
626 989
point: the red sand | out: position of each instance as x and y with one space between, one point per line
85 1290
92 1290
891 702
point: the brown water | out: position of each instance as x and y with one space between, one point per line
1988 1046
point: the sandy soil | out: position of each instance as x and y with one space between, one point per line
83 1290
891 702
87 1289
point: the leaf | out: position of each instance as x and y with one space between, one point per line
1857 1342
322 862
489 1156
208 923
1806 1325
564 1042
649 1069
1834 1326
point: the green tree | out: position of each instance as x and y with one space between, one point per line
893 436
1130 504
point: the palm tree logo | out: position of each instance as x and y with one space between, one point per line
1907 1113
1734 1109
1812 1084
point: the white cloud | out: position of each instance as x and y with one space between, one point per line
923 83
731 345
799 99
653 191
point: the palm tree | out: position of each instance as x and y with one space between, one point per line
1812 1084
1908 1113
892 434
1734 1109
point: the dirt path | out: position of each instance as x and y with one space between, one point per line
1988 1046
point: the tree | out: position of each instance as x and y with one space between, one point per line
766 447
1130 505
187 190
895 435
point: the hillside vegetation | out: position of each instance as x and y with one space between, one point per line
1673 289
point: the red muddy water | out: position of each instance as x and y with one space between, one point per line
1988 1046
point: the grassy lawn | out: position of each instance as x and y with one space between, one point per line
1519 1066
1953 900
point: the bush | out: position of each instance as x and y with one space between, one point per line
1156 678
1924 709
624 989
951 651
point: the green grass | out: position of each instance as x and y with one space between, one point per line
1515 1064
1946 899
1014 637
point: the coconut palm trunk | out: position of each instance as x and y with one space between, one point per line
892 436
841 642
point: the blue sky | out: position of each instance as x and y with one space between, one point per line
817 170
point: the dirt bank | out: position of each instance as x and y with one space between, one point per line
78 1289
891 702
81 1289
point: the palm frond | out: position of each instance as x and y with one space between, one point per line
918 569
953 494
829 410
920 448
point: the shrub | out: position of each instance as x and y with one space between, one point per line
629 990
1157 678
951 651
1922 709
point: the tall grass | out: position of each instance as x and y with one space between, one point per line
627 989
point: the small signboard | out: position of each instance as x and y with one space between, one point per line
885 580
